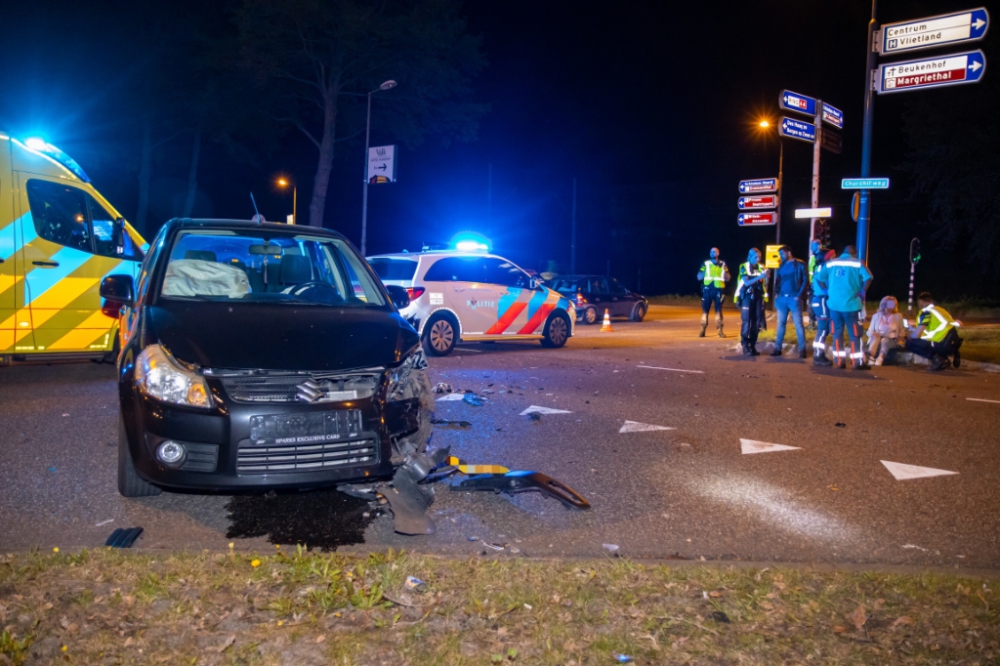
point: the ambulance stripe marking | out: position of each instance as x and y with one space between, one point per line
507 319
41 280
79 338
538 319
7 242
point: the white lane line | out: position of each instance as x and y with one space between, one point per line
748 446
635 426
904 472
653 367
995 402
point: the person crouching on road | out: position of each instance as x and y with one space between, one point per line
749 294
789 284
884 330
713 275
846 280
935 336
820 310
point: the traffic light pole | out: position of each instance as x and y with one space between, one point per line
816 149
864 205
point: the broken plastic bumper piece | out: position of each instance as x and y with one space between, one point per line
521 482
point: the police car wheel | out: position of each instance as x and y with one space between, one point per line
638 312
556 331
129 483
440 336
590 316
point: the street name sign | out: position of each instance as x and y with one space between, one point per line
757 219
792 101
948 70
382 164
864 184
759 185
832 141
813 212
763 201
833 116
796 129
926 33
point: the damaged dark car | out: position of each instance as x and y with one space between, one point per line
264 356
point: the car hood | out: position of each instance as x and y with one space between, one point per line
280 337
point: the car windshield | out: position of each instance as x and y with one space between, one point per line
255 266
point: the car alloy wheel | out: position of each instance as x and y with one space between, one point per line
557 332
590 316
441 336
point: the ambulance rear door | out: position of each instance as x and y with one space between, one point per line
11 274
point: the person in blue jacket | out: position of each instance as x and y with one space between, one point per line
846 280
790 281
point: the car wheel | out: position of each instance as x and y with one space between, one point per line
556 331
590 316
129 483
440 335
638 312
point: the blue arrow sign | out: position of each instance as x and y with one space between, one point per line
968 26
796 129
951 69
759 185
864 184
833 116
792 101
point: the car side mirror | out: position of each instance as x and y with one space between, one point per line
118 288
118 235
535 282
400 297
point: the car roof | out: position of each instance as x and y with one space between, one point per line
247 225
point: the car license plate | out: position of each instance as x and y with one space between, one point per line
305 428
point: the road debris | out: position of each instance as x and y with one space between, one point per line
455 424
621 658
720 616
415 583
123 538
610 547
105 522
473 399
442 388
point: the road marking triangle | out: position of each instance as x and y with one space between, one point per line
535 409
904 472
753 446
635 426
451 396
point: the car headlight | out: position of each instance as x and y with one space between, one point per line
160 376
400 375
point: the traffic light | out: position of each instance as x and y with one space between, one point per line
823 232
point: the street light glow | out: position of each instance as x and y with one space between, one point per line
282 182
388 85
764 124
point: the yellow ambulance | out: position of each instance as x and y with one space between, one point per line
58 239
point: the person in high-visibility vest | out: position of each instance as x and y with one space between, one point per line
846 280
749 296
820 311
935 336
713 275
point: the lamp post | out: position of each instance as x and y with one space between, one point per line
283 183
764 124
388 85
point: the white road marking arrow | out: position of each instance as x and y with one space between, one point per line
451 396
635 426
903 472
975 65
534 409
753 446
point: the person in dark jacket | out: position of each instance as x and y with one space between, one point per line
749 294
790 281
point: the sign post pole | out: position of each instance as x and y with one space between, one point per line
781 181
816 151
864 205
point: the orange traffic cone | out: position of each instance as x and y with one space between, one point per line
606 324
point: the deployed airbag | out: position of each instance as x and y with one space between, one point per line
197 277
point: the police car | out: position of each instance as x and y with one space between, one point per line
475 296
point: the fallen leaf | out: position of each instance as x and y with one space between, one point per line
859 617
838 629
877 606
906 619
320 638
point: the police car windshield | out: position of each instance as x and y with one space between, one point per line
225 265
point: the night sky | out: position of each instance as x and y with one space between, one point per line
651 107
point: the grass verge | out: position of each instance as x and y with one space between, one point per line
303 608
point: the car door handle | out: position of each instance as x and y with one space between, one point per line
46 264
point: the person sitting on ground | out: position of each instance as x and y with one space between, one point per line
884 330
935 336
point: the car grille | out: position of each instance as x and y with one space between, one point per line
305 457
322 387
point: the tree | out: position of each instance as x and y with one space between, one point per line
321 58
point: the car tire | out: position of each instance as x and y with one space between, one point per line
590 316
129 483
557 331
638 312
440 335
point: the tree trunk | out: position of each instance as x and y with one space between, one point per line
145 166
325 164
192 187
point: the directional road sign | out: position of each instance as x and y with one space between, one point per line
864 184
793 101
382 164
752 203
796 129
757 219
759 185
947 70
833 116
968 26
813 212
832 141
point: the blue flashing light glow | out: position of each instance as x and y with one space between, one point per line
42 147
470 242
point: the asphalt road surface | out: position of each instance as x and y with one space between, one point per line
689 491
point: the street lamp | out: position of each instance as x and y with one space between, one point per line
283 183
388 85
766 125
